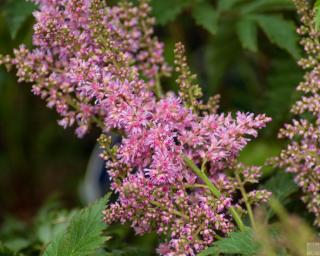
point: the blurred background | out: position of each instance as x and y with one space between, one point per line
244 50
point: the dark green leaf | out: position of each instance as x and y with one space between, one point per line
280 32
237 243
247 33
267 5
16 13
167 10
83 235
220 54
206 16
225 5
283 77
281 185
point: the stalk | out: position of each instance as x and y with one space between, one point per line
213 189
246 200
158 88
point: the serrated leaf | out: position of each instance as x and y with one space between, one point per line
225 5
247 33
167 10
281 185
280 32
282 79
84 233
219 56
16 13
56 223
241 243
317 14
206 16
267 5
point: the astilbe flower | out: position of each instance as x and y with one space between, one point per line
175 170
301 156
82 40
157 189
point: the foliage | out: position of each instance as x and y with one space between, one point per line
247 15
281 185
57 231
237 243
16 13
83 235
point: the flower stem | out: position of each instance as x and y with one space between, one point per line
157 87
246 200
196 186
202 176
213 189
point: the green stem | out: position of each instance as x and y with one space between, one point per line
196 186
202 176
157 87
246 200
213 189
278 209
236 218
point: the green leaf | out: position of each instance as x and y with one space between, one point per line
56 223
280 32
317 14
16 13
247 33
83 235
267 5
167 10
283 76
206 16
221 52
225 5
237 243
5 251
281 185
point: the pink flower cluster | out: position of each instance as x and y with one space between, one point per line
102 65
158 191
76 41
301 157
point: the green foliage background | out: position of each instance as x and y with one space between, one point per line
244 50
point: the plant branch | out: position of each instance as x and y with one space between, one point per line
157 87
213 189
246 200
